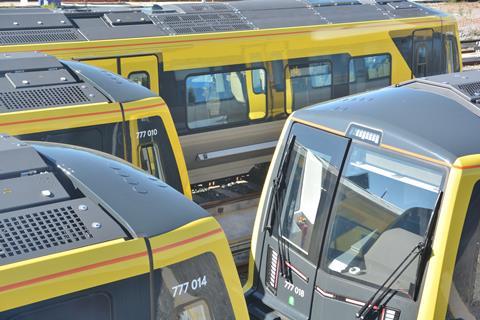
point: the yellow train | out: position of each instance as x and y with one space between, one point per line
84 235
370 208
232 72
42 98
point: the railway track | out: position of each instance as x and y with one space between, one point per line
471 53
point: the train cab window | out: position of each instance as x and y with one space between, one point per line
309 84
192 290
464 301
381 212
140 77
310 178
217 99
96 306
368 73
106 137
150 160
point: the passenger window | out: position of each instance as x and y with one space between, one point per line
307 85
140 77
150 160
464 301
310 178
381 212
218 99
192 289
155 151
96 306
369 73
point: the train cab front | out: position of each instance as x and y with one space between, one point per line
84 235
370 208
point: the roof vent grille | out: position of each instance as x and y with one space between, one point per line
39 36
41 230
43 97
209 7
203 23
472 89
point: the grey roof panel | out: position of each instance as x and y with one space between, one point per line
404 114
149 206
100 23
17 157
27 61
39 21
30 190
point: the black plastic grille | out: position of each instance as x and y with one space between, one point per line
44 97
39 36
40 230
472 89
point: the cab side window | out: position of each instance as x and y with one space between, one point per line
155 151
106 137
464 302
96 306
192 289
369 73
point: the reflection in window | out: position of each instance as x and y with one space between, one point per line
150 160
197 310
192 289
310 84
258 79
381 212
307 174
369 73
217 99
421 66
141 77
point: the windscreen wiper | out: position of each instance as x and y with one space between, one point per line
278 187
423 249
373 305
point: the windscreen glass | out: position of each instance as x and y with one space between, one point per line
381 212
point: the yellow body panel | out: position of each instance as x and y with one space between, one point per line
38 279
438 279
107 64
38 120
195 238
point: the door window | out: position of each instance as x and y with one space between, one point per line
464 302
381 212
150 160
